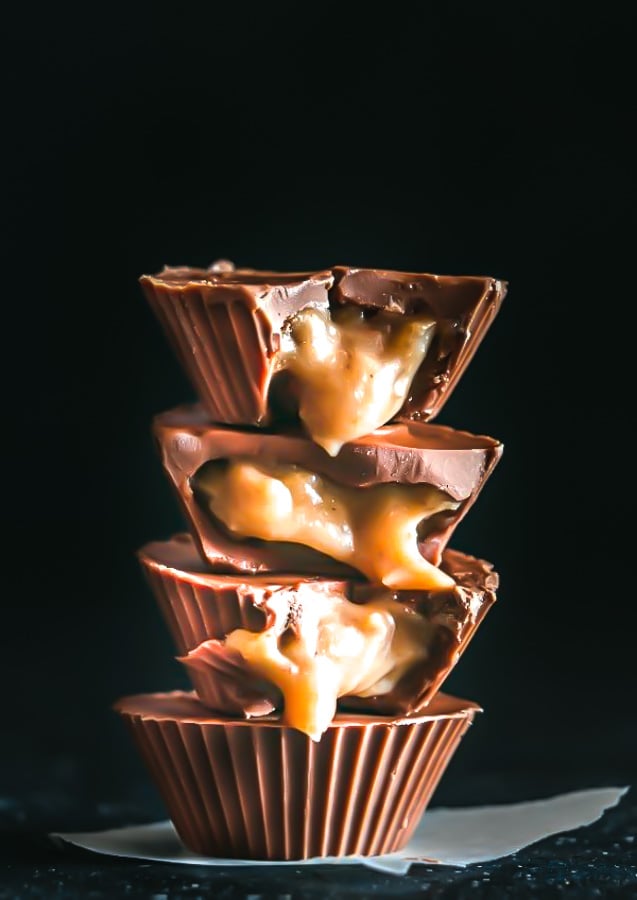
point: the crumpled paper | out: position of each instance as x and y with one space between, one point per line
450 837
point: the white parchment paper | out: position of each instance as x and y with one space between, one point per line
452 837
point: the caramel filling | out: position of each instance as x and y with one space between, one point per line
352 373
321 646
373 529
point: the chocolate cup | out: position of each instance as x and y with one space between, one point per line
261 790
225 328
453 461
201 607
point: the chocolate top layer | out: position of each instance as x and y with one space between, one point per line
455 462
205 338
183 707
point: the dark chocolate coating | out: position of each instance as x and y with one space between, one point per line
455 462
225 327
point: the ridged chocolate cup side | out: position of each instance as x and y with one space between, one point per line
225 335
201 608
261 790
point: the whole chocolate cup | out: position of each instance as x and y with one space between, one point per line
261 790
414 453
225 327
199 606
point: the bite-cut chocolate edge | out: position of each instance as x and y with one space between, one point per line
225 327
453 461
202 608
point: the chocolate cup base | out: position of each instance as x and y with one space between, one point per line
261 790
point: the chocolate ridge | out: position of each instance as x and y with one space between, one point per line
453 461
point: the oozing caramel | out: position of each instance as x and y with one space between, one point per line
321 646
352 373
372 529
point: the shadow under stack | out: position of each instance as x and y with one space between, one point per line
314 601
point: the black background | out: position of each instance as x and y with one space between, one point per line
451 138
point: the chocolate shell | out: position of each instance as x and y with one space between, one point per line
199 605
261 790
225 327
201 608
455 462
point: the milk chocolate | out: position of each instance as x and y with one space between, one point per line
225 327
201 608
262 790
199 605
453 461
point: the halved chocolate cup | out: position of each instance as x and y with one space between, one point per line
226 327
416 454
201 608
261 790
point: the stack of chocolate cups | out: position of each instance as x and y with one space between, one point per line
314 602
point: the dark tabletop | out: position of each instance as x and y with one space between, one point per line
595 861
